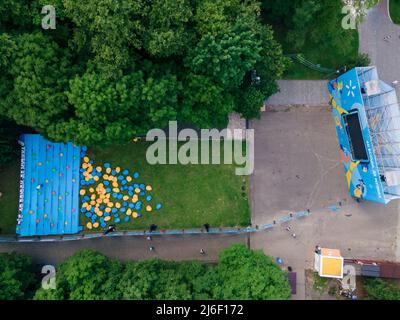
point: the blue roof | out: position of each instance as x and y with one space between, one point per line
367 119
49 195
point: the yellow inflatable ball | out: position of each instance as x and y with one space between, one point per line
92 202
96 178
128 212
134 215
125 198
106 200
84 205
88 207
99 200
93 197
129 178
149 208
89 225
87 178
86 159
108 170
84 165
135 198
100 213
148 188
116 190
98 169
117 169
110 204
137 190
95 225
118 205
107 209
105 176
91 190
115 184
108 218
82 192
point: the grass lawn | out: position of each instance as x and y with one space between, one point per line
331 59
191 195
395 10
9 186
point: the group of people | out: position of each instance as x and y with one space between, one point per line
153 228
289 228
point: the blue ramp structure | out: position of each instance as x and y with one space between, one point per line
49 187
367 118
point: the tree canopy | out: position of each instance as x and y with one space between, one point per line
17 279
240 274
112 70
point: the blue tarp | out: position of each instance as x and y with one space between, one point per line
53 208
366 114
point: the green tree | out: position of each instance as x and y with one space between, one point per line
108 30
217 16
303 16
250 101
87 275
280 11
245 274
14 14
157 279
110 111
205 103
39 72
378 289
167 29
17 279
225 57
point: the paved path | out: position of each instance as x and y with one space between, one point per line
300 92
384 55
131 248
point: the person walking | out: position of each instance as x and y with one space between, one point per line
202 251
151 248
293 235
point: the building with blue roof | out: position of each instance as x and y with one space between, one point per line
367 118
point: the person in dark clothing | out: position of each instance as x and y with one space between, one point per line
153 227
111 228
206 227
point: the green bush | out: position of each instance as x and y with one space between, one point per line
378 289
17 279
